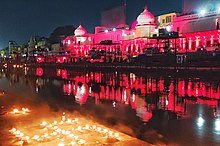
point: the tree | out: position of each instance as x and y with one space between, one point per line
24 48
61 33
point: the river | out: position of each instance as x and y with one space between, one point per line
172 107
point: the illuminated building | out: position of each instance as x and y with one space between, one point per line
145 24
80 43
128 40
37 45
166 20
193 31
199 30
81 36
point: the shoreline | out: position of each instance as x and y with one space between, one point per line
119 66
29 125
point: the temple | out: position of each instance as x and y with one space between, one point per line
173 31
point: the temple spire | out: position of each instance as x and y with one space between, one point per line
145 7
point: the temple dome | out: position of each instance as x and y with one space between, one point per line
145 17
80 31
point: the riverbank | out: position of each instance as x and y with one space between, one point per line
152 64
205 66
25 123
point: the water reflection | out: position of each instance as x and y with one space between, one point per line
154 98
39 72
142 93
81 93
217 125
200 122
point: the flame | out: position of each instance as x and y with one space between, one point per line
15 111
43 123
61 133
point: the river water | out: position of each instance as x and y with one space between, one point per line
176 108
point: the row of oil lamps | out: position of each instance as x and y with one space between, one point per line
53 131
21 111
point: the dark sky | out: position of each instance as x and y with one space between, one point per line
21 19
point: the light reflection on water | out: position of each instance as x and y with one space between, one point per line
185 110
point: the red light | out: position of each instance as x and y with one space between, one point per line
61 59
58 72
64 74
67 89
39 71
40 59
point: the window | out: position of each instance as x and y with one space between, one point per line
163 21
168 19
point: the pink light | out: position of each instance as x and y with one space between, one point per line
64 74
58 72
67 89
184 43
68 42
61 59
218 38
197 42
189 89
212 39
190 44
171 43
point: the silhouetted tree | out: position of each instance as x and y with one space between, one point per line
60 33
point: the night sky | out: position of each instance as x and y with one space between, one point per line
21 19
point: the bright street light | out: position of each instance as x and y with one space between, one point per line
168 28
202 12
